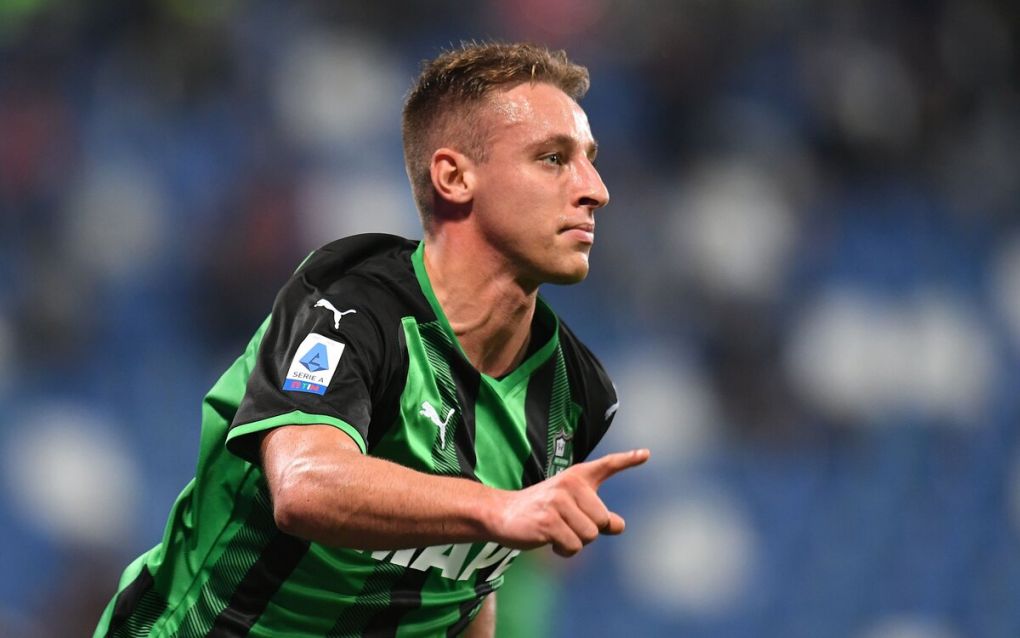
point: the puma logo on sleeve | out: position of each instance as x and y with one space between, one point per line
337 314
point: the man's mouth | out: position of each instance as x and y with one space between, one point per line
583 232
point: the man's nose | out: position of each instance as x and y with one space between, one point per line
592 191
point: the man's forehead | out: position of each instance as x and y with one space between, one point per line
538 108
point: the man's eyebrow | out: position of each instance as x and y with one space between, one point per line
566 141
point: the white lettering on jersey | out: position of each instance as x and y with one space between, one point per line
400 557
491 554
450 559
512 554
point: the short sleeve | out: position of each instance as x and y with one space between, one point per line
319 362
593 390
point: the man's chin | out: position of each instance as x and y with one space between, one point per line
573 274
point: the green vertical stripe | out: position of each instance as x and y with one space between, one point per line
410 441
536 411
563 415
501 438
557 407
430 394
242 552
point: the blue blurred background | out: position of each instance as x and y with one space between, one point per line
807 288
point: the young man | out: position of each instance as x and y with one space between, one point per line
411 415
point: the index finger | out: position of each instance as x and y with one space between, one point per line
601 469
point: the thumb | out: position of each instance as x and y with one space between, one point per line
615 525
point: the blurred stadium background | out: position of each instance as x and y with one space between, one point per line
807 288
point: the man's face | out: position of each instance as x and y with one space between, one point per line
536 194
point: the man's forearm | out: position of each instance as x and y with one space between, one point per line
325 490
339 497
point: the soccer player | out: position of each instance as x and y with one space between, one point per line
411 415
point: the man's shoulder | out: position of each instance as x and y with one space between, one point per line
573 346
369 274
582 362
371 253
371 264
591 388
359 247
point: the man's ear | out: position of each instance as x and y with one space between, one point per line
452 176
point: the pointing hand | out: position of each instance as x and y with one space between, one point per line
564 511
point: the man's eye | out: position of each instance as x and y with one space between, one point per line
554 158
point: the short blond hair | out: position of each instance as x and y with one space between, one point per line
442 106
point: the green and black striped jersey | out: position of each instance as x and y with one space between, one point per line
357 340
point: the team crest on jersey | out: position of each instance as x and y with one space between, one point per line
313 365
562 452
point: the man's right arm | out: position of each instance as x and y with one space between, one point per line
325 490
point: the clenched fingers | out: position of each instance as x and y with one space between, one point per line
593 508
563 539
582 525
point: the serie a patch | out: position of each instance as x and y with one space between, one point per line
313 365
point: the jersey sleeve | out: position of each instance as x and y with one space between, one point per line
321 360
594 391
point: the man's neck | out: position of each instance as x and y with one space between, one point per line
490 312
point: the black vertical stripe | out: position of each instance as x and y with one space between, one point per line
536 414
483 587
468 607
259 585
386 405
127 599
404 598
136 608
466 381
374 598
